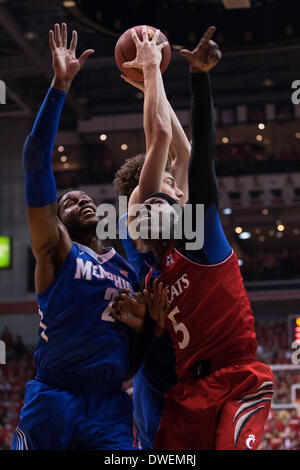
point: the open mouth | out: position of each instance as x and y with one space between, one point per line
87 211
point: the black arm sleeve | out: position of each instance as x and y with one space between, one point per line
202 176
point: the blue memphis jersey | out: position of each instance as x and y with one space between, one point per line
77 336
142 262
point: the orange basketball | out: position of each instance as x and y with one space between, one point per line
125 51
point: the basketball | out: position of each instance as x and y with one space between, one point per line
125 51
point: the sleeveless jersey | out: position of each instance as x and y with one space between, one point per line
79 342
210 314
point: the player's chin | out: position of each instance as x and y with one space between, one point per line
88 222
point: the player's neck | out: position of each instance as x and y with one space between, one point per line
90 240
159 249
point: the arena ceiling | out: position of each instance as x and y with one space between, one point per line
260 55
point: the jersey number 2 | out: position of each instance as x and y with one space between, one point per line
179 327
110 294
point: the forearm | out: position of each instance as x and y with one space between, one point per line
158 132
37 151
202 179
179 152
156 106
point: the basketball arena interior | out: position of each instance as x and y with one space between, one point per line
257 114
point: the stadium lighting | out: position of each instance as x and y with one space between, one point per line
124 146
103 137
280 228
63 158
261 126
227 211
69 3
238 229
225 140
60 148
265 211
245 235
259 138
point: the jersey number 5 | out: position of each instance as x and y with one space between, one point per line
179 327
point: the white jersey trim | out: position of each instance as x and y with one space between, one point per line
99 258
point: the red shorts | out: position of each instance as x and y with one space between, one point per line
224 411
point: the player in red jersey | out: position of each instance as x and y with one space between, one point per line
223 395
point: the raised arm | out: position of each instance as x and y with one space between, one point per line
202 179
180 147
157 122
50 241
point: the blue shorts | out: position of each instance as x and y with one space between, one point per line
54 419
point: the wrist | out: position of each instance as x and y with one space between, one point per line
150 66
194 69
61 84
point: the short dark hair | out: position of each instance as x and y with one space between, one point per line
127 177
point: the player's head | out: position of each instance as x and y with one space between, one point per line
158 218
77 211
127 178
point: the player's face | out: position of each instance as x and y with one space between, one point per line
170 187
77 211
158 218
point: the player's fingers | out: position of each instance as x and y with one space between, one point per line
156 36
127 65
74 40
64 34
148 299
51 40
84 56
208 34
159 291
135 37
162 45
185 53
145 33
57 35
214 55
139 85
139 297
115 314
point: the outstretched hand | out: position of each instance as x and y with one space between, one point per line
148 51
64 62
157 304
130 310
205 55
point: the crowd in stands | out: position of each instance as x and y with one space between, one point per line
251 158
282 431
269 265
283 426
231 160
14 375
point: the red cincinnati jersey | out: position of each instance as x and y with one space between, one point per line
210 314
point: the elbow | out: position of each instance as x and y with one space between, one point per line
163 133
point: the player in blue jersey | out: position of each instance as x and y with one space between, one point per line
157 373
82 355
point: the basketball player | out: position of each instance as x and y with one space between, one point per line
223 394
82 355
